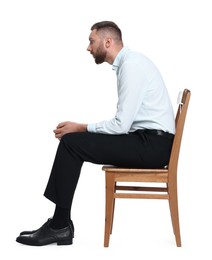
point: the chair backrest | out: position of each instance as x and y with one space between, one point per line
179 122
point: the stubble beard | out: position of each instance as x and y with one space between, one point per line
100 55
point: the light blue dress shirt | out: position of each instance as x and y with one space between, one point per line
143 100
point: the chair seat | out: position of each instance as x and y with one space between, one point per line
133 170
137 175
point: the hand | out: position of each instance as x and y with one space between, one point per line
68 127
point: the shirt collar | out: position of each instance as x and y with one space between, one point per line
119 57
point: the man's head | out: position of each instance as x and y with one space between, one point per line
105 41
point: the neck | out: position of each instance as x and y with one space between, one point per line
112 54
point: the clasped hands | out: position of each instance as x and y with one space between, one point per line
69 127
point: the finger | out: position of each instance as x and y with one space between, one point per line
57 131
59 135
61 124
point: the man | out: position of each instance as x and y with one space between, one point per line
140 135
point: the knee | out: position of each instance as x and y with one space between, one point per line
67 138
72 139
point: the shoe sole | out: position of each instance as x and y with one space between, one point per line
59 243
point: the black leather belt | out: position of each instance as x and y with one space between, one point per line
156 132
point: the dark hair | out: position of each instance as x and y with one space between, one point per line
108 26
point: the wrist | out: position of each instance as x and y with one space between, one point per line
83 127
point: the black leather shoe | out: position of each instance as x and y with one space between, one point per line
46 235
33 231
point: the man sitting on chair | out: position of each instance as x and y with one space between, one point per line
140 135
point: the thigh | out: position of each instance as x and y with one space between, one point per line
120 150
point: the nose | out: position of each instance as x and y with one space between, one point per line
89 48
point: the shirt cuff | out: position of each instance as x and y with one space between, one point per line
91 128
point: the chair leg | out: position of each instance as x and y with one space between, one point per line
109 206
173 205
114 201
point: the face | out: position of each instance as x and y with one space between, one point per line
96 47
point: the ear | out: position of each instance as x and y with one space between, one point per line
108 42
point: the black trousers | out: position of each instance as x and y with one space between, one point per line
137 150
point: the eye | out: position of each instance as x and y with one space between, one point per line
91 40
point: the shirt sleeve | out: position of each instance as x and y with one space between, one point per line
131 91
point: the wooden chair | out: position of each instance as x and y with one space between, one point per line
115 175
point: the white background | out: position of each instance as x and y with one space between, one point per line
46 76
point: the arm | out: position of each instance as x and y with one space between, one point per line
132 85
